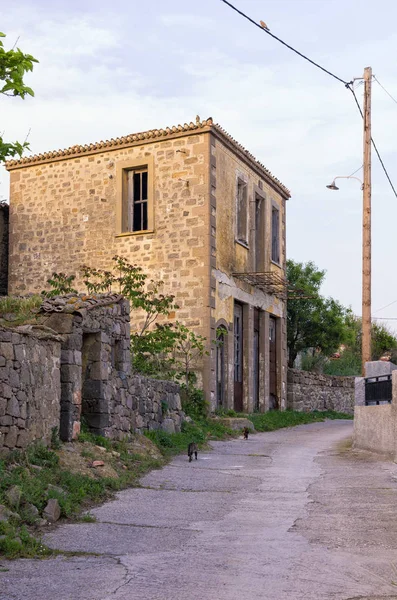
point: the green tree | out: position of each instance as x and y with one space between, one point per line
313 321
14 64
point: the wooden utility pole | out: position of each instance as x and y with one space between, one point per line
366 297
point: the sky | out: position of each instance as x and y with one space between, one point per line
112 68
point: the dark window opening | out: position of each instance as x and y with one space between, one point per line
242 211
135 204
275 235
259 234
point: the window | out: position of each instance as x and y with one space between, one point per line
259 233
242 211
275 235
135 196
136 209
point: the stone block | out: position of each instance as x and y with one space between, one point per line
97 421
7 350
5 336
13 496
13 407
23 439
5 390
11 437
168 426
93 389
71 374
52 511
20 352
100 370
3 404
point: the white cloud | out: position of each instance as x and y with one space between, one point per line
106 74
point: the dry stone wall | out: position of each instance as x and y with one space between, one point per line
30 387
309 391
81 374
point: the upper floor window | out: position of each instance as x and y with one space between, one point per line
242 211
275 235
135 208
135 196
259 257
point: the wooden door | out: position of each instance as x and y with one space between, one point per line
238 357
273 398
221 340
255 370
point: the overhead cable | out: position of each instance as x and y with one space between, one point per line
347 84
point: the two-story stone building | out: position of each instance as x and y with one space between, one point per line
193 208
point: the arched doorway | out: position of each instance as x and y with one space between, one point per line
221 341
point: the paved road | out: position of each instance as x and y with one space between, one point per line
285 515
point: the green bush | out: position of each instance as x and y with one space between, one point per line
193 402
348 364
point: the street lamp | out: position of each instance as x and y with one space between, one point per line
332 185
366 189
366 292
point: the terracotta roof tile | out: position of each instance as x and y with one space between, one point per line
72 303
78 150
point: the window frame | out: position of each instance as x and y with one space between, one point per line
275 208
242 181
260 194
123 170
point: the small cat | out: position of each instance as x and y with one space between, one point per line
246 432
192 449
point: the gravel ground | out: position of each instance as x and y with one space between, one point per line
290 514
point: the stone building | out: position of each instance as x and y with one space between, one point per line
194 209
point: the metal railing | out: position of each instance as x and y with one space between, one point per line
378 390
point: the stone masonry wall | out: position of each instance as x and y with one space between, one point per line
63 214
309 391
4 224
30 387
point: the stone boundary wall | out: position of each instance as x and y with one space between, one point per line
34 377
30 387
309 391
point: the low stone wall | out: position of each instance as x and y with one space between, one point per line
81 374
139 403
309 391
158 404
30 387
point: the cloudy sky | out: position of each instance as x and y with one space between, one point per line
112 68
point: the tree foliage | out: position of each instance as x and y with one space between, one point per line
160 349
14 64
314 322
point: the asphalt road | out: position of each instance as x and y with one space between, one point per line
285 515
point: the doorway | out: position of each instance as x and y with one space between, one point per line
94 414
238 357
221 341
273 397
255 369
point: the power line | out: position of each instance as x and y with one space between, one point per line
373 143
240 12
387 306
385 90
347 84
356 171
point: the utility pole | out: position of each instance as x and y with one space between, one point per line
366 292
